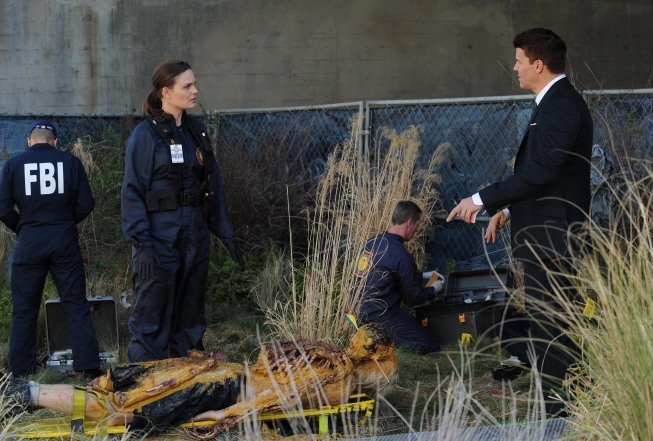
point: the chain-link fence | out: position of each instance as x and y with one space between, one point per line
308 133
14 130
289 149
623 147
278 156
483 135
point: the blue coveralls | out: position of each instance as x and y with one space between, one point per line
390 276
169 316
52 193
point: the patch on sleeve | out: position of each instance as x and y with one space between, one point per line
364 263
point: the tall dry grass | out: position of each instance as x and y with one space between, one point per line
611 318
354 202
8 417
6 245
612 390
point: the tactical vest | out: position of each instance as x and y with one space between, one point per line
168 200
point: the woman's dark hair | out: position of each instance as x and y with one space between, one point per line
165 75
543 44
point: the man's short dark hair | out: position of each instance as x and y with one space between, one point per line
43 134
543 44
405 210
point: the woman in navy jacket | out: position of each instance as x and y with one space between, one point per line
172 196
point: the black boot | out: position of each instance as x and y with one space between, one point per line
15 394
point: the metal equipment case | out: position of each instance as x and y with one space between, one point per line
105 322
481 285
473 306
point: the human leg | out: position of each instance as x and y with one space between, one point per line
554 349
26 290
60 397
515 333
189 319
408 332
515 323
69 278
25 395
151 320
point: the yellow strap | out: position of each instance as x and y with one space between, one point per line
323 424
79 410
590 308
465 338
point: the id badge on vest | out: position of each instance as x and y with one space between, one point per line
177 153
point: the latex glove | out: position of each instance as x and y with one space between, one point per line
236 255
438 285
148 262
435 280
427 275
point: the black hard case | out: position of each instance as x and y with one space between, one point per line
474 302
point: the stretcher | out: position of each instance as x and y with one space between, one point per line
359 405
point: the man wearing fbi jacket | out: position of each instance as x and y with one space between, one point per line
51 192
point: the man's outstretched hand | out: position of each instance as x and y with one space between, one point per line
466 210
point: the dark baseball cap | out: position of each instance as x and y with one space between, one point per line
44 124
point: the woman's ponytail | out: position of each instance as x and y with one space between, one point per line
152 104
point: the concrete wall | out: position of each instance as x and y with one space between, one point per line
97 56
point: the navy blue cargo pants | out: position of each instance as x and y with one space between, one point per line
27 282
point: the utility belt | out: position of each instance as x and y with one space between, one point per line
169 200
194 199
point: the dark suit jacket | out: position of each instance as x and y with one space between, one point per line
549 192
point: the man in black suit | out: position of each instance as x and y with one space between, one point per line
548 196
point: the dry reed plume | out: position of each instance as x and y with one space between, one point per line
354 201
85 156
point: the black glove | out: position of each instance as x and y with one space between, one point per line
148 262
235 254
